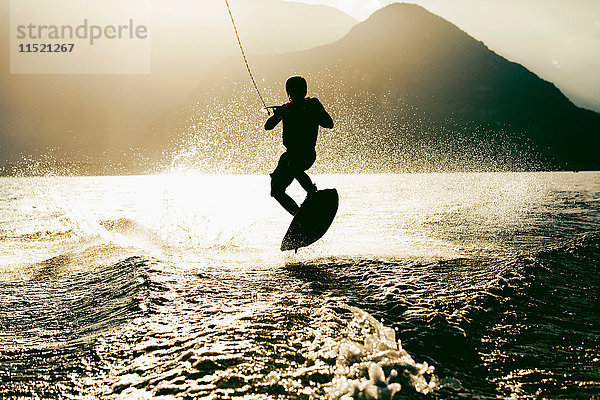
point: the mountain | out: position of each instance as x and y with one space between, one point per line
410 91
95 118
555 39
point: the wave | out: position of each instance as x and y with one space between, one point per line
342 353
93 229
37 235
359 328
540 326
73 307
72 250
50 327
519 326
136 232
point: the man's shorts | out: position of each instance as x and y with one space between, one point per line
290 165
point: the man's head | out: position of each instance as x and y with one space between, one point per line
296 88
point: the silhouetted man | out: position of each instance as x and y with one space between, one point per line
301 117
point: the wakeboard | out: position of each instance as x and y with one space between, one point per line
312 220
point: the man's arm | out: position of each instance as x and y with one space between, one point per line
275 118
272 121
325 119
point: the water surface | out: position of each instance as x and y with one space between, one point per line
427 285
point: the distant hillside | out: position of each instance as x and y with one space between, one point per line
100 117
409 91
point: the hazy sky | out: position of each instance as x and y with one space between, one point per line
557 39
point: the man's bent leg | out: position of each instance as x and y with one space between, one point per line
303 161
281 178
306 183
286 202
278 193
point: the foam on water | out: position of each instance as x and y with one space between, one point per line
371 364
333 354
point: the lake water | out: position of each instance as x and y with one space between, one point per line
426 286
